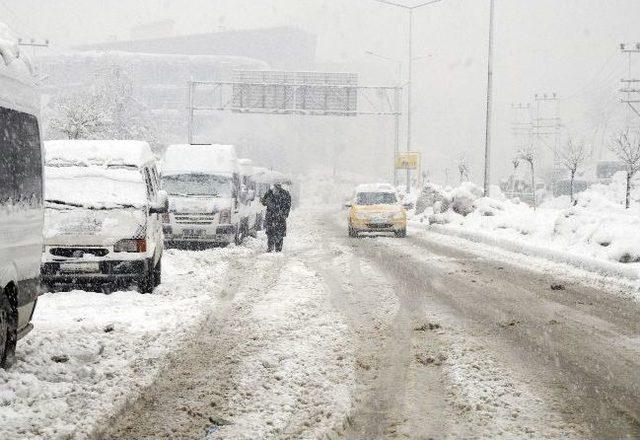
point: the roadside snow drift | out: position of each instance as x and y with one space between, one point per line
90 353
597 227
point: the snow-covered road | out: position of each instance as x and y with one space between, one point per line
371 338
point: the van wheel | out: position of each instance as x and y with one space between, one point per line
7 333
147 283
352 232
157 276
239 237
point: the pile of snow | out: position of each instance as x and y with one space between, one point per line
597 226
95 187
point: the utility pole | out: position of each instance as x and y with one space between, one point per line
410 9
487 144
396 149
522 132
544 127
630 85
191 85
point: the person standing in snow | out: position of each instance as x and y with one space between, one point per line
278 203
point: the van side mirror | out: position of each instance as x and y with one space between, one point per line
348 205
161 204
407 205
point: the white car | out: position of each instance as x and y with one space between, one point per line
102 219
205 195
21 210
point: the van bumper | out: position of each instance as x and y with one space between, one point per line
184 234
109 272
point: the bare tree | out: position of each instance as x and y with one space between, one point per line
515 162
109 111
528 154
627 147
463 167
78 116
572 157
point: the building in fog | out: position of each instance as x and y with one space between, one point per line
159 81
282 48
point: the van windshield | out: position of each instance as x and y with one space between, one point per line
376 198
198 185
94 187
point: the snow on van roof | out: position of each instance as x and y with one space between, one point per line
98 152
13 61
206 159
375 187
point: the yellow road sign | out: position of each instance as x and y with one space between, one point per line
408 161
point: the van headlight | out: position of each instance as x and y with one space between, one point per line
399 215
225 217
134 245
362 215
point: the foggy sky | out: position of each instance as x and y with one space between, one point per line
565 46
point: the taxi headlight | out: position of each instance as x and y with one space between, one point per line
362 215
399 216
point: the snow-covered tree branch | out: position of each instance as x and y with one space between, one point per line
626 146
572 157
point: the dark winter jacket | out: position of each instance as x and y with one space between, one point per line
278 203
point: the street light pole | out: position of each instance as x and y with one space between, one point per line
410 74
410 82
487 145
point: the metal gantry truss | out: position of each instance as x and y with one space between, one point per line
290 96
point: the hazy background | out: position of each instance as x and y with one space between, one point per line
570 47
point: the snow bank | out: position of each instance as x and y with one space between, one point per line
596 234
91 353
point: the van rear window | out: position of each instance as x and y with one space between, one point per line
20 159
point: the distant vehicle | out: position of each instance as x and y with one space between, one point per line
376 208
205 195
21 208
563 187
250 205
102 218
289 184
606 169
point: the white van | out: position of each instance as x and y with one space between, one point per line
102 219
249 202
21 210
203 183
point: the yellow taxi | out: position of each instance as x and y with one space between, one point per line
377 208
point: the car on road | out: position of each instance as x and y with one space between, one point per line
102 218
21 207
206 198
376 208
